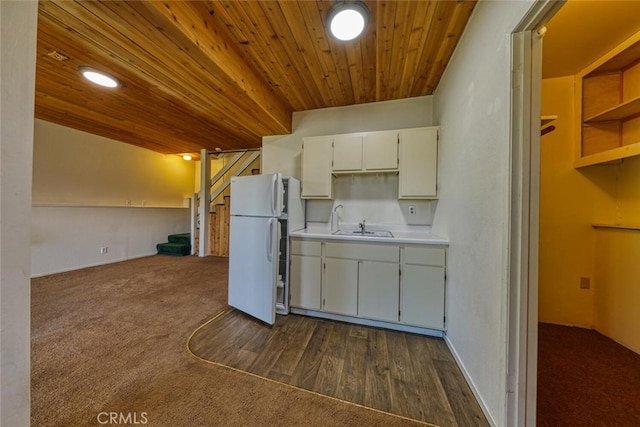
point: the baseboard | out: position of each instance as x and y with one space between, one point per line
96 264
368 322
470 382
571 325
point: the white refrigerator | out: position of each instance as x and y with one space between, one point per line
264 209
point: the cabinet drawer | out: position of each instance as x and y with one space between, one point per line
427 255
390 253
306 247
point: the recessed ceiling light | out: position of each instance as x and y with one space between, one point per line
187 157
98 77
346 19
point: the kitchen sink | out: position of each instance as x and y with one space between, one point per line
379 233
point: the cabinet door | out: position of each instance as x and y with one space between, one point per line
381 151
422 296
347 153
418 170
317 155
305 281
378 290
340 292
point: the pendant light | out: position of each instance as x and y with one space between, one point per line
347 19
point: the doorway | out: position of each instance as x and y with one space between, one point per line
573 199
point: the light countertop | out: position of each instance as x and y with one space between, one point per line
401 234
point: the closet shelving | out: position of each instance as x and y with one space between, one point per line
609 104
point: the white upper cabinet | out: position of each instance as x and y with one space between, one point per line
368 152
413 153
418 164
347 153
317 155
381 151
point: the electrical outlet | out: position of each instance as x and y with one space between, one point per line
412 210
104 249
585 283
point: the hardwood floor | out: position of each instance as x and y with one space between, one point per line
405 374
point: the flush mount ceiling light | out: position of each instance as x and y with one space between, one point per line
98 77
346 19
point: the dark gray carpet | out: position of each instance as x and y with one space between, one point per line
112 339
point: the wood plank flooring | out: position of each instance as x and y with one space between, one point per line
404 374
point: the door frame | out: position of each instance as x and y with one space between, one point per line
522 327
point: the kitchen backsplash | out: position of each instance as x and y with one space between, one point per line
372 197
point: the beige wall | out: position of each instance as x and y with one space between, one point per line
571 200
617 272
617 286
77 168
91 192
629 206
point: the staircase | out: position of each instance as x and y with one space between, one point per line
228 164
178 245
219 228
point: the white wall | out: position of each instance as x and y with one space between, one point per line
91 192
18 21
373 197
282 153
472 107
68 238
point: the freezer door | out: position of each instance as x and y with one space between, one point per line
257 195
253 261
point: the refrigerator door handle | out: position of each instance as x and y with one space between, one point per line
274 195
270 239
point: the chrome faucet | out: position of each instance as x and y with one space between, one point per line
363 227
335 218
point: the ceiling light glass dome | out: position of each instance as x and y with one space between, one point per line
98 77
346 20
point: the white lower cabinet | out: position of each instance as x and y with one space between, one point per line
404 285
422 296
305 274
340 292
305 278
422 286
378 286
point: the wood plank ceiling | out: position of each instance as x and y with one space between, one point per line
207 74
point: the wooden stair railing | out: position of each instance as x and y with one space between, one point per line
242 167
219 209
